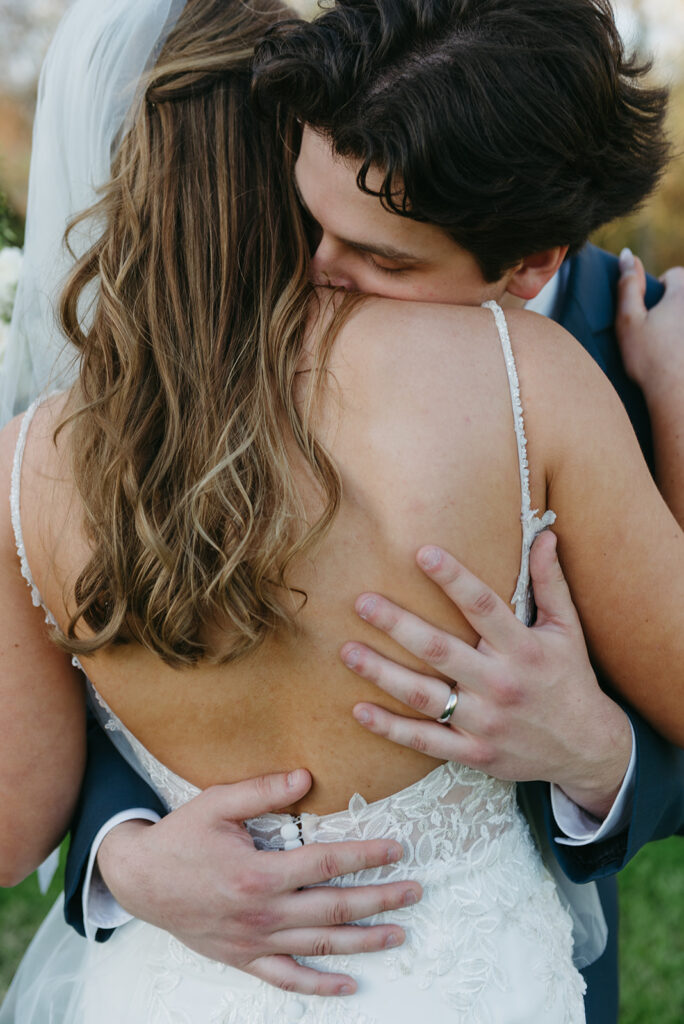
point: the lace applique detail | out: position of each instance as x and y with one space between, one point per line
532 523
488 928
286 1008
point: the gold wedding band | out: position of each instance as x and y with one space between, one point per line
449 709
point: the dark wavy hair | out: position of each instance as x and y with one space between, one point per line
515 125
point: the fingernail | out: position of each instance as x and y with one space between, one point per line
394 853
392 941
410 898
367 607
430 558
345 990
554 539
362 716
626 260
351 658
292 779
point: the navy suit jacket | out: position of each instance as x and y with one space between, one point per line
110 785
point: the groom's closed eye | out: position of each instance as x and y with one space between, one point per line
372 252
400 262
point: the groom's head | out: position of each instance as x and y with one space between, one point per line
451 144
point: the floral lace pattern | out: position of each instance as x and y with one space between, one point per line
485 891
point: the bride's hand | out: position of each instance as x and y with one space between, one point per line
653 352
197 874
529 705
650 340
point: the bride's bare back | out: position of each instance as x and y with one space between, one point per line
416 414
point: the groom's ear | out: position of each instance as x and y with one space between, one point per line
528 279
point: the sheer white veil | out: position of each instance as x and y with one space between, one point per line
86 98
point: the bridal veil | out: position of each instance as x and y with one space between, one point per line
87 95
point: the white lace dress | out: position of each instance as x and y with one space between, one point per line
489 943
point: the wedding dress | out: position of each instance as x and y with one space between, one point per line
489 943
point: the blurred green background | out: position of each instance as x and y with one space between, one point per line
652 887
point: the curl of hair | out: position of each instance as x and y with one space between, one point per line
515 125
185 424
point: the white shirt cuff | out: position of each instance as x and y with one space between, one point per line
100 909
581 828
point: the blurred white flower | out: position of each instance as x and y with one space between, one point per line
10 268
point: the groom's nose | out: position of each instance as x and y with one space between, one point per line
327 268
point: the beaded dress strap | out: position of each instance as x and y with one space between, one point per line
15 509
532 523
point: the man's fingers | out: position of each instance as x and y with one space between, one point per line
316 863
242 800
340 941
489 616
431 738
442 651
286 973
551 591
332 906
425 694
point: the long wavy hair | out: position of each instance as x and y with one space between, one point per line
185 426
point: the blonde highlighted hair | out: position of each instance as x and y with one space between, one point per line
185 424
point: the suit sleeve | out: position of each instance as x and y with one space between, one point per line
109 786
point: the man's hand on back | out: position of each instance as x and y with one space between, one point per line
197 874
529 705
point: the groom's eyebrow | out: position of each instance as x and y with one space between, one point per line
388 252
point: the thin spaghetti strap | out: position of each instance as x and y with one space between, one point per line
15 504
532 523
514 387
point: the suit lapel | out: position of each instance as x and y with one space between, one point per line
587 309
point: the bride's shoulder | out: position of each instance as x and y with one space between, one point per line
39 424
567 399
393 339
544 351
554 369
43 454
429 327
36 489
409 321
